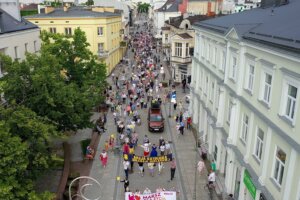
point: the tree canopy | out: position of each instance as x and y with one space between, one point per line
47 93
143 7
63 83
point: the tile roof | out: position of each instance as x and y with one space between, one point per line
164 28
185 35
9 24
74 12
176 21
278 26
170 6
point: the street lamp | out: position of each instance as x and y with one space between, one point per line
82 187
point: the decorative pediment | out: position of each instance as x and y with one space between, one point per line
232 34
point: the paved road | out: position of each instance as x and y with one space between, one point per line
183 148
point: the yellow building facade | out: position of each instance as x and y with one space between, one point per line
101 25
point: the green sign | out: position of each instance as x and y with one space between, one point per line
249 184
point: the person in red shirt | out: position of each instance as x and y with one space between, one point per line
188 122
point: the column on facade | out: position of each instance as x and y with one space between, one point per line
290 174
234 118
227 63
230 171
241 70
265 164
221 107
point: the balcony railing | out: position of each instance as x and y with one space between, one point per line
181 60
103 54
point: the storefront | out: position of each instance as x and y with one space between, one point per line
250 189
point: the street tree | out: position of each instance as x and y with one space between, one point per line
14 162
63 83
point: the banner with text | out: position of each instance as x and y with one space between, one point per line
151 159
166 195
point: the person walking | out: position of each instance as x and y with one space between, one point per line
188 123
172 168
111 142
151 169
141 168
160 167
126 165
103 158
126 184
162 149
175 105
181 127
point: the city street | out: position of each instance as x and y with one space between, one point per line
183 148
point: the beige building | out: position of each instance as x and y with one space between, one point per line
178 44
101 25
203 7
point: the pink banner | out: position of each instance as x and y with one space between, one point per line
166 195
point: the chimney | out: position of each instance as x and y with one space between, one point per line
48 9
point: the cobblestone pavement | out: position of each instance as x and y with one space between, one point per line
183 148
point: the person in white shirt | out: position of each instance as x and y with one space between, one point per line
126 165
162 149
147 191
211 177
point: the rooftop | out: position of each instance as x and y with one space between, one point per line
176 21
278 26
75 12
9 24
185 35
170 6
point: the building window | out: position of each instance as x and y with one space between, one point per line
250 78
52 30
178 49
216 153
259 144
68 31
229 112
290 107
245 128
166 37
100 47
16 52
267 88
100 31
217 98
26 47
187 53
279 165
233 68
212 92
206 85
35 46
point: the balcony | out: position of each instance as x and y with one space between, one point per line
103 54
180 59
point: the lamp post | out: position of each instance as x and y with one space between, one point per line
82 187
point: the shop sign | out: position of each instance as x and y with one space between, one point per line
249 184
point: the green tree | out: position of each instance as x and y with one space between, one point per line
143 7
14 167
63 83
89 2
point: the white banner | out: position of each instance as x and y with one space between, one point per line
166 195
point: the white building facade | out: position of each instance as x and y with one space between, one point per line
17 37
245 101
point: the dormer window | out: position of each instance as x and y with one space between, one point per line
186 26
